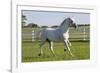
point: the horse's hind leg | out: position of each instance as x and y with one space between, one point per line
51 48
67 46
41 51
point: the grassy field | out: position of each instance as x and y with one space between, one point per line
80 48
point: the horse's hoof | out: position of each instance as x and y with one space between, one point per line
39 54
64 49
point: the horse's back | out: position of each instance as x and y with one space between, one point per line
51 34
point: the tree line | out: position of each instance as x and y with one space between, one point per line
33 25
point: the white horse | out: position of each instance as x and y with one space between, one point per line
57 34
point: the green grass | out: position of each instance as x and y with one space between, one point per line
30 50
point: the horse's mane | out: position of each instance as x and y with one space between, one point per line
63 22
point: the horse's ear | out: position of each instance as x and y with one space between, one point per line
73 19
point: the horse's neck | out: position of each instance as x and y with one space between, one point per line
64 29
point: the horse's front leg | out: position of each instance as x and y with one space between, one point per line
69 42
67 47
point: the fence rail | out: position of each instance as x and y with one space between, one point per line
82 33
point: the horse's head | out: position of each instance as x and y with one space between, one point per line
72 23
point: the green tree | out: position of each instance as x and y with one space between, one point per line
23 20
55 26
33 25
44 26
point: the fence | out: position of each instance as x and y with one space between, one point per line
82 33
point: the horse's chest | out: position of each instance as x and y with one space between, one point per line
65 35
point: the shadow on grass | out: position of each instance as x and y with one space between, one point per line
80 40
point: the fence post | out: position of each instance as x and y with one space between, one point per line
84 33
33 36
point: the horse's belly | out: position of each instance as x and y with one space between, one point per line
54 36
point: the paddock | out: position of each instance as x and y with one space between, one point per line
79 38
